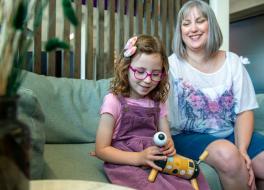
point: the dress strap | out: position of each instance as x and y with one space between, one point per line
156 104
121 100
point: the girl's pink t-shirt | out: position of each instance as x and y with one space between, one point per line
111 105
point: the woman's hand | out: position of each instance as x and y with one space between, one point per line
168 149
151 154
251 181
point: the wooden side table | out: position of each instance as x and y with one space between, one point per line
73 185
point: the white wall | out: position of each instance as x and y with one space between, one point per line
221 9
238 5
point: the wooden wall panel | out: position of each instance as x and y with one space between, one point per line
131 11
100 65
111 44
171 23
52 33
139 16
147 12
89 54
156 17
108 24
164 24
37 44
66 70
77 40
121 29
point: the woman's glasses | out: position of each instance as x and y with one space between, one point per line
155 76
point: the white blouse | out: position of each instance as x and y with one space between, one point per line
208 103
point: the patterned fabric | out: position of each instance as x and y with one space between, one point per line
208 102
201 111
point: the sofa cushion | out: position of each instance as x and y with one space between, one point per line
82 166
259 114
211 176
72 161
30 113
71 106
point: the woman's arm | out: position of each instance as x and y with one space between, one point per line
243 132
244 127
110 154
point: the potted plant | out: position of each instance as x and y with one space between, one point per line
14 45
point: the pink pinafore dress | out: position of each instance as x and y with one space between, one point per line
138 126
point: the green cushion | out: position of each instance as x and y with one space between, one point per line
85 167
259 114
72 161
211 176
30 113
71 106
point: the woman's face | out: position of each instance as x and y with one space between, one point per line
194 30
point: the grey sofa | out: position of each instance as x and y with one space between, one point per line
63 116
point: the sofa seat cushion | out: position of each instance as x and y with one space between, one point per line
211 176
72 161
259 114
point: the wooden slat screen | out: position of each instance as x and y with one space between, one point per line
66 54
77 40
52 33
107 25
37 45
89 54
111 37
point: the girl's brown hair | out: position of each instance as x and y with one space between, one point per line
149 45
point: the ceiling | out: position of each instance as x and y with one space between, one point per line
241 9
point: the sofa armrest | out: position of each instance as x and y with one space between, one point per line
30 113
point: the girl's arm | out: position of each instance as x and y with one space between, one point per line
169 148
110 154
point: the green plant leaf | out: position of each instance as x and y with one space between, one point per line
69 12
20 15
55 43
20 19
15 79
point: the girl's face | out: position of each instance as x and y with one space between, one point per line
142 65
194 30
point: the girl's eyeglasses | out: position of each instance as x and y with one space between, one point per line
155 76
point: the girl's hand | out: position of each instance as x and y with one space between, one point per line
92 153
149 155
251 181
168 149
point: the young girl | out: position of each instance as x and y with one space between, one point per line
132 113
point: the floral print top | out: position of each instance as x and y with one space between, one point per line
208 103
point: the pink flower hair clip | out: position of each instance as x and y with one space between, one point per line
130 47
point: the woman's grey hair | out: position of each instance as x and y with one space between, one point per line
215 37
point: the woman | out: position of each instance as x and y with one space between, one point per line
211 101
